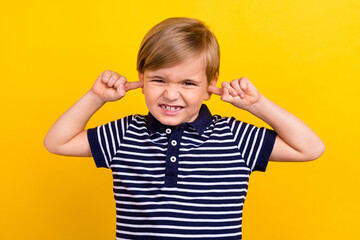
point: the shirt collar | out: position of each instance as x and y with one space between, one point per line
201 122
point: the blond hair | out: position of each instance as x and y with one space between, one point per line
174 40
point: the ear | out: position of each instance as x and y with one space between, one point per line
141 78
212 83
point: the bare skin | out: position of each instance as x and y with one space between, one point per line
295 140
67 136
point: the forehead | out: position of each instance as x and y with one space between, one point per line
192 67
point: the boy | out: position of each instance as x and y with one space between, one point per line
179 172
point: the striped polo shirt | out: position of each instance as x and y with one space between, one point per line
188 182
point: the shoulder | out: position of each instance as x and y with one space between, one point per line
230 124
219 123
220 120
122 124
137 119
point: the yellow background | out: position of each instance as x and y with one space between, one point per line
303 55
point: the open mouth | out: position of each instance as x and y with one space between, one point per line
170 109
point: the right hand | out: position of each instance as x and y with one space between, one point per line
111 86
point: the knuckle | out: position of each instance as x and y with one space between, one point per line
122 79
117 83
114 77
106 75
114 74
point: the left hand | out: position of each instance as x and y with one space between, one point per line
240 92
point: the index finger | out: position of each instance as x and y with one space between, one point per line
133 85
215 90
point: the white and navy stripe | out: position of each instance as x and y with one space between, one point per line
187 183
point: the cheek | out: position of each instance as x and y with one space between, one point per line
151 92
194 97
203 92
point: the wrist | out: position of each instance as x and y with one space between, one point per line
96 99
258 107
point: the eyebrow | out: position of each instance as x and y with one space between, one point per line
184 80
156 76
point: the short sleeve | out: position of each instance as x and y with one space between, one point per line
105 140
255 144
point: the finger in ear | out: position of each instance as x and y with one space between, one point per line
215 90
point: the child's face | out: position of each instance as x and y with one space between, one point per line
175 94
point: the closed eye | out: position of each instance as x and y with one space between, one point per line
157 80
189 84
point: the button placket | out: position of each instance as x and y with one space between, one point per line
172 162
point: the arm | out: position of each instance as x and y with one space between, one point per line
295 141
67 136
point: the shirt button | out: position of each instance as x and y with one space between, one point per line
168 130
173 142
173 159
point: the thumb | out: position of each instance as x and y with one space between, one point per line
215 90
133 85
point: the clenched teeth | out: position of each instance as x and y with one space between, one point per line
168 108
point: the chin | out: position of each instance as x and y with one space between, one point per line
170 122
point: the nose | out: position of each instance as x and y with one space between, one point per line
171 93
